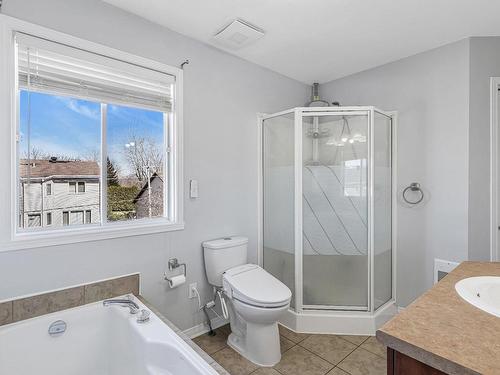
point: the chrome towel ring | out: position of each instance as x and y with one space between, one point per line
415 187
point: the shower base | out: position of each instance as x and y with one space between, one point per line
339 322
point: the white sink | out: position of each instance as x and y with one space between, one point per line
482 292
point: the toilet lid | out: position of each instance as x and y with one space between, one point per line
253 285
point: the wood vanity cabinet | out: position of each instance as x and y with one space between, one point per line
400 364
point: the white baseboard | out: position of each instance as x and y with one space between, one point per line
401 308
202 328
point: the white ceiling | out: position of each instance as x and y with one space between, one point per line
321 40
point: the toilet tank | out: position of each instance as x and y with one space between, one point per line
222 254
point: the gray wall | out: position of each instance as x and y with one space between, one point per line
222 97
484 63
430 92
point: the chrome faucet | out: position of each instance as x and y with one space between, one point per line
134 307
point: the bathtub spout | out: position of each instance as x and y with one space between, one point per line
134 307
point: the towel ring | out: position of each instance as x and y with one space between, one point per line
415 187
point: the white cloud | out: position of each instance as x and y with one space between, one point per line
79 108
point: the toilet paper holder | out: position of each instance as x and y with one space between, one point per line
173 264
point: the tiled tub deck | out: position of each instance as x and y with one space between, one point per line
36 305
46 303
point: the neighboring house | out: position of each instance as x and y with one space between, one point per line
58 193
151 195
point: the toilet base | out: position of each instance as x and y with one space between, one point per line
260 344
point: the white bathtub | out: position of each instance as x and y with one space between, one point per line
98 341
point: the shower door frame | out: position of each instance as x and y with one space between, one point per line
298 112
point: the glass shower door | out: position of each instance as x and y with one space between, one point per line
335 258
278 152
382 209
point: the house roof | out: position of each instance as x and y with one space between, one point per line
145 187
46 168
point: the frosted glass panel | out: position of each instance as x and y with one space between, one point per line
334 203
278 199
382 210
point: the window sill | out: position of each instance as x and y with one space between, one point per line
29 240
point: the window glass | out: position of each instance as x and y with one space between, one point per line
81 187
49 218
65 217
76 217
88 216
135 178
354 178
60 140
34 220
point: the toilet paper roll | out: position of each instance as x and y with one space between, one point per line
175 281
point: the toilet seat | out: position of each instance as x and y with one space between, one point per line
254 286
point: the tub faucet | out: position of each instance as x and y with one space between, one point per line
134 307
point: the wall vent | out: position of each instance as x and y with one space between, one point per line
238 34
443 268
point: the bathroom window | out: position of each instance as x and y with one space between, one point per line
355 178
101 134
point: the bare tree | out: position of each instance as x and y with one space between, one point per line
35 154
144 156
91 155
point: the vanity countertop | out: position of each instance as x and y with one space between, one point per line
443 331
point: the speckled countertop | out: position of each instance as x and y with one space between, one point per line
445 332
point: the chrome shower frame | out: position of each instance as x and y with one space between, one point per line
317 318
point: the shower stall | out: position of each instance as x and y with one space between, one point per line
326 224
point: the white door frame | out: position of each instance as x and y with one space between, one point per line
494 175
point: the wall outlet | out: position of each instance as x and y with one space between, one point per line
191 291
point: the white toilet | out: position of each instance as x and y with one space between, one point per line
255 299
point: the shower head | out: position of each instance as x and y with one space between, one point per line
316 101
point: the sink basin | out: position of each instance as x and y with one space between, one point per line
482 292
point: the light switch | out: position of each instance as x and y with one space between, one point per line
193 189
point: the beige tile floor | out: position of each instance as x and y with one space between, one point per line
304 354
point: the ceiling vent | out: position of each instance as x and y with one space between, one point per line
238 34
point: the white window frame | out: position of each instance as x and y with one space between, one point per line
174 219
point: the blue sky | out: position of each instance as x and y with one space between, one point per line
66 126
